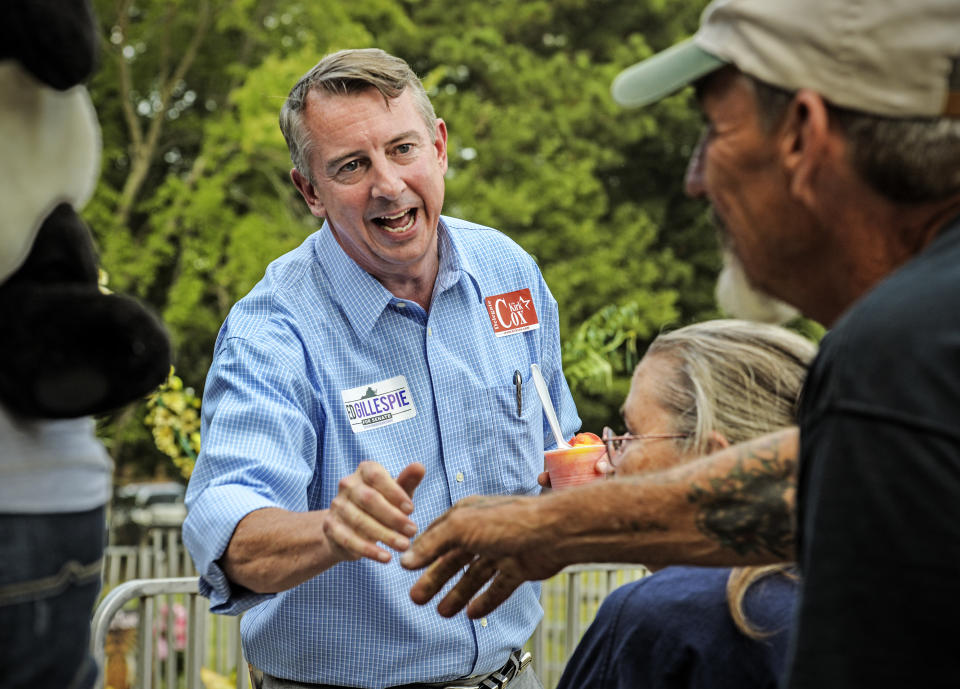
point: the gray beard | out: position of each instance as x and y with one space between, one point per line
737 297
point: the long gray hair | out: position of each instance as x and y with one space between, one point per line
738 378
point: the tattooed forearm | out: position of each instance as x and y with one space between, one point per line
646 525
750 508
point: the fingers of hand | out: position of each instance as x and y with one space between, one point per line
604 466
350 523
444 534
438 574
430 545
480 571
544 479
501 589
349 544
410 478
375 476
372 489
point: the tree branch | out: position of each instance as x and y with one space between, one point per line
126 85
144 155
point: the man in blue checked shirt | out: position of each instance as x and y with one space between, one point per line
376 375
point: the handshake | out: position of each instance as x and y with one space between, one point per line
499 539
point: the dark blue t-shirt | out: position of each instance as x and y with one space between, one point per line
673 630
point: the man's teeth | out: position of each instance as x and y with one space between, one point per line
403 228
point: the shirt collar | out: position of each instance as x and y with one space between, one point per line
454 261
361 296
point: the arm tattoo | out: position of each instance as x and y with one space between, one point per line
747 509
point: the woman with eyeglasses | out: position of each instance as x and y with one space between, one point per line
698 389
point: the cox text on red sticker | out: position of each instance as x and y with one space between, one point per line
512 312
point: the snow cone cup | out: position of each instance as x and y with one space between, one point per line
573 466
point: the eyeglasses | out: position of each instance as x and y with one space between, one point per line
616 444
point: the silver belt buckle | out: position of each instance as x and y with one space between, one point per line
499 679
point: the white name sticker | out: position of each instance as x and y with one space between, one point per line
378 404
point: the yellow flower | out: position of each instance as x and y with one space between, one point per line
174 419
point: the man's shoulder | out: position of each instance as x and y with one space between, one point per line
674 593
488 249
288 286
459 224
285 272
480 238
680 607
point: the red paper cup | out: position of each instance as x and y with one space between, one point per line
573 466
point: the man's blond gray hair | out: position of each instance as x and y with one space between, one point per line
343 73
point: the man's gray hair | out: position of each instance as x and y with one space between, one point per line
348 72
908 160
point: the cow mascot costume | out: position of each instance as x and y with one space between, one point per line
68 351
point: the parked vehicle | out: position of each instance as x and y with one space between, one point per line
137 507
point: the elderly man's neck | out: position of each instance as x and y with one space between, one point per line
857 234
872 238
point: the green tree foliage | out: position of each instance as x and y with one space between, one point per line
195 200
539 150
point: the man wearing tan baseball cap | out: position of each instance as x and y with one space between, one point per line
884 57
831 160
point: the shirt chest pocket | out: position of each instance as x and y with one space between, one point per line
508 438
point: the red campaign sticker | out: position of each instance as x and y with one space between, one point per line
512 312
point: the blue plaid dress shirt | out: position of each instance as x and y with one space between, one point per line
282 424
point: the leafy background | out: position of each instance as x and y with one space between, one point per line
194 198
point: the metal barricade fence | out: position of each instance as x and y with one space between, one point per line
160 555
164 625
176 643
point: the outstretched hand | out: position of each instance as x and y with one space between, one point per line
498 539
371 506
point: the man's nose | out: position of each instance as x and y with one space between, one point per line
693 179
387 182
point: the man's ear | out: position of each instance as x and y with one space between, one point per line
805 141
440 144
716 441
308 192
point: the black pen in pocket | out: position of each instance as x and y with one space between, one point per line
518 383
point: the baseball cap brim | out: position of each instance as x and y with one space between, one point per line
665 73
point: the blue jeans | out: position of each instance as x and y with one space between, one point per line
49 582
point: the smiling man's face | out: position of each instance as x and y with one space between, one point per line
377 177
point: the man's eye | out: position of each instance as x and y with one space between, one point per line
352 166
403 149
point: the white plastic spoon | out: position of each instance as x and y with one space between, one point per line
541 385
